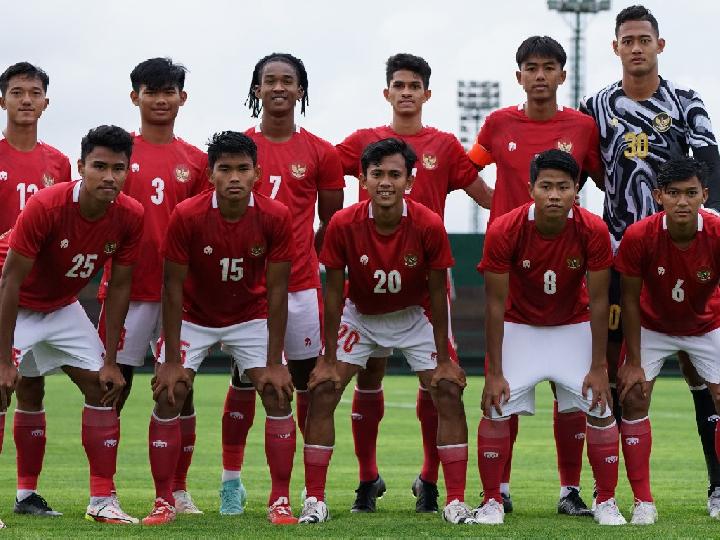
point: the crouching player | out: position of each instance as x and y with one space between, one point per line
670 269
227 262
60 241
397 254
535 262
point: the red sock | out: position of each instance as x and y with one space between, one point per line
317 461
636 444
569 431
454 459
301 407
164 447
187 447
427 414
237 420
280 439
493 450
514 425
100 436
368 408
2 429
602 450
29 434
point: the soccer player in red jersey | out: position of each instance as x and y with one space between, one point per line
511 138
26 166
60 241
227 262
670 270
442 167
535 262
298 169
397 255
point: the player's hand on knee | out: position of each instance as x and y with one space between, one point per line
8 381
167 376
627 377
451 372
324 372
495 394
278 377
596 381
112 383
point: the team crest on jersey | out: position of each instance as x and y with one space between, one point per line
182 173
257 250
662 122
429 162
298 170
135 167
110 248
574 262
47 180
565 146
411 260
704 275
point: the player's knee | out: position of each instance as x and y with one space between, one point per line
324 397
271 402
449 397
30 393
372 376
635 405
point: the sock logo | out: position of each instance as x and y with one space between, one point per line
37 433
611 459
632 441
188 449
160 444
579 436
713 418
110 443
236 415
491 455
284 435
356 416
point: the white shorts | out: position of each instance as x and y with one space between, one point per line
245 342
141 331
561 354
302 337
703 350
64 337
408 330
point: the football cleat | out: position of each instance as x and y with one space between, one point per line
490 513
457 513
184 503
232 497
280 513
507 503
109 512
573 505
713 503
367 495
314 511
426 494
2 525
608 513
163 512
35 505
644 513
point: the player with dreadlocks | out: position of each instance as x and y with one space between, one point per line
298 169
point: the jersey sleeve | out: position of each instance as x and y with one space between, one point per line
333 252
202 182
628 260
330 172
463 171
281 235
65 171
31 229
129 250
593 162
699 128
349 152
437 246
481 152
177 239
497 252
598 247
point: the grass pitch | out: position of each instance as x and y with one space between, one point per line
677 465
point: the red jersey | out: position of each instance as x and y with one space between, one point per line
547 275
442 165
160 176
67 248
293 172
227 261
24 173
677 284
511 140
386 273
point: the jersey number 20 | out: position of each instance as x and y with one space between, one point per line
391 279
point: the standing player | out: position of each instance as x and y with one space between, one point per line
645 120
26 166
60 241
397 255
535 261
670 268
227 262
298 169
511 138
442 167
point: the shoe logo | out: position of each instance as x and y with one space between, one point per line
579 436
135 167
491 455
188 448
713 418
611 459
110 443
236 415
356 416
632 441
37 432
160 444
512 146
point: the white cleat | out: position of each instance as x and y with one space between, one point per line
184 503
457 513
314 511
490 513
2 525
644 513
713 504
109 512
608 513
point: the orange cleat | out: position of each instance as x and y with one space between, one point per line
162 513
280 513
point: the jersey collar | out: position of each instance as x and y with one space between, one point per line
404 212
258 128
76 191
699 222
215 204
531 213
521 107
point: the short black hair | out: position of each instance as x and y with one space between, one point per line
158 73
231 142
636 13
375 152
253 102
679 169
23 69
113 137
540 46
409 62
554 159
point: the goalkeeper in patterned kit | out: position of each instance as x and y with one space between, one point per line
644 121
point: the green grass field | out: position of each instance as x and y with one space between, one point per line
678 473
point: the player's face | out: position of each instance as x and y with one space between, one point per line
681 200
158 106
279 89
540 77
406 93
554 193
24 100
103 173
387 181
637 45
234 176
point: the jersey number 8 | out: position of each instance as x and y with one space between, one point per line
550 282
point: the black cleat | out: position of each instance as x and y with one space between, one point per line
507 503
35 505
573 505
367 495
426 494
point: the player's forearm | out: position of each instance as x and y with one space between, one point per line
599 315
320 236
631 329
277 322
116 308
9 299
332 307
480 192
494 333
437 284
